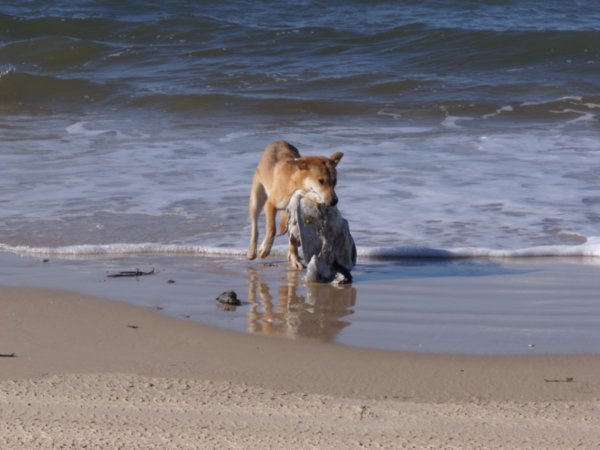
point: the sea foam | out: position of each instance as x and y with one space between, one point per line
591 248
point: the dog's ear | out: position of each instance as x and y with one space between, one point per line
336 157
300 163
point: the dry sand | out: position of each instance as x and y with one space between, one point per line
101 374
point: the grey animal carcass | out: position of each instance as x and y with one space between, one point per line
326 245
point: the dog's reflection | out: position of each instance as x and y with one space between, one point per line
317 314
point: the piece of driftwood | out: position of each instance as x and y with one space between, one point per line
326 245
130 273
8 355
563 380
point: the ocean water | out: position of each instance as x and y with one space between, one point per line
469 128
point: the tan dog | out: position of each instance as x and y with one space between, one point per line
282 171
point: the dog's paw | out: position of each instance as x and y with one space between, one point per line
297 264
263 252
251 254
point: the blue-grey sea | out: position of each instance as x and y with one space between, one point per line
464 124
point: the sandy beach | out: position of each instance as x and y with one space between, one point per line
130 134
96 373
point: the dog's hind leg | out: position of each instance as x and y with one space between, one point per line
258 197
293 256
267 243
283 223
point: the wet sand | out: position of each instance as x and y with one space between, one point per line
101 373
463 306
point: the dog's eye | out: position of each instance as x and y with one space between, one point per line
321 181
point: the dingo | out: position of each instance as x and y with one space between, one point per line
282 171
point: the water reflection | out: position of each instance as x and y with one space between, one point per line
290 307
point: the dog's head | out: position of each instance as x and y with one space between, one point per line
319 176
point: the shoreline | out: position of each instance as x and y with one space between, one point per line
97 372
129 363
470 307
58 332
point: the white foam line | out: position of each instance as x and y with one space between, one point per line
452 121
589 249
5 70
576 98
131 249
507 108
79 128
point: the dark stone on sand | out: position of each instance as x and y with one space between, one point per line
229 298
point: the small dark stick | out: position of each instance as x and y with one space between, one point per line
566 380
135 273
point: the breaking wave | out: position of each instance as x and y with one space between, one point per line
209 60
591 248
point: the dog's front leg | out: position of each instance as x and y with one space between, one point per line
267 243
258 197
251 253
